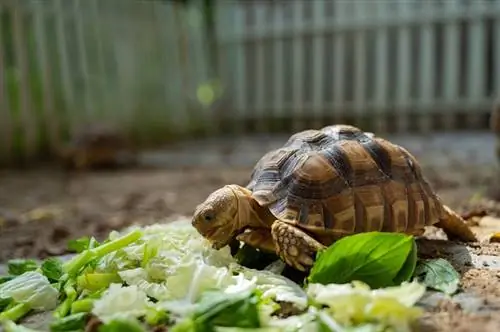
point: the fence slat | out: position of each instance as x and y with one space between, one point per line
339 51
360 49
298 66
51 120
381 67
240 74
451 65
79 12
403 68
5 110
69 94
475 66
29 128
261 83
426 63
318 63
279 54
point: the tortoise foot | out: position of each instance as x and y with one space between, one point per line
293 246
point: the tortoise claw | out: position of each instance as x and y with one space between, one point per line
294 247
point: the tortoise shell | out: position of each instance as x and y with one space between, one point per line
341 180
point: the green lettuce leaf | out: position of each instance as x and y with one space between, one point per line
52 269
19 266
221 309
31 288
375 258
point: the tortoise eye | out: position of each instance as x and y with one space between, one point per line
209 216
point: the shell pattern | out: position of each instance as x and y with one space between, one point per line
341 180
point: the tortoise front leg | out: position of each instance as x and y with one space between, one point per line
294 246
259 238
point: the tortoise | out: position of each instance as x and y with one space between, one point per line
93 146
322 185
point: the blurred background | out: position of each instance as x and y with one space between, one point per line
178 98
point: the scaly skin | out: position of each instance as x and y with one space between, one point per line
231 212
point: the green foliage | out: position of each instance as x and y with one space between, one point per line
74 322
376 258
438 274
119 325
219 309
19 266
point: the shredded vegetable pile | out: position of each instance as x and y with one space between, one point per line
167 275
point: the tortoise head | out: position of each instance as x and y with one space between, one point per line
218 218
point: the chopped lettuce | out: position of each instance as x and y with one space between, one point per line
121 302
167 274
19 266
31 288
355 303
221 309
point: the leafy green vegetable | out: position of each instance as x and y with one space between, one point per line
253 258
73 266
122 324
74 322
31 290
355 304
65 307
15 312
4 303
84 305
219 309
438 274
10 326
52 269
406 272
168 273
19 266
121 302
4 279
375 258
97 281
83 243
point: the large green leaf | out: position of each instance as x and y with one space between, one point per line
375 258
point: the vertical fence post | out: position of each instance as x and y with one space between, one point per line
403 66
381 66
278 63
427 57
318 63
69 96
5 110
51 121
451 64
360 48
238 37
475 66
339 51
261 83
29 129
78 14
97 27
298 65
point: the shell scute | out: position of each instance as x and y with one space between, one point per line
340 180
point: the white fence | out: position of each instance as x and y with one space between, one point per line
282 65
406 64
65 63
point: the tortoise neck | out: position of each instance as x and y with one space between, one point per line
251 213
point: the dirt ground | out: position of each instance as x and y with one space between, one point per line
40 210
